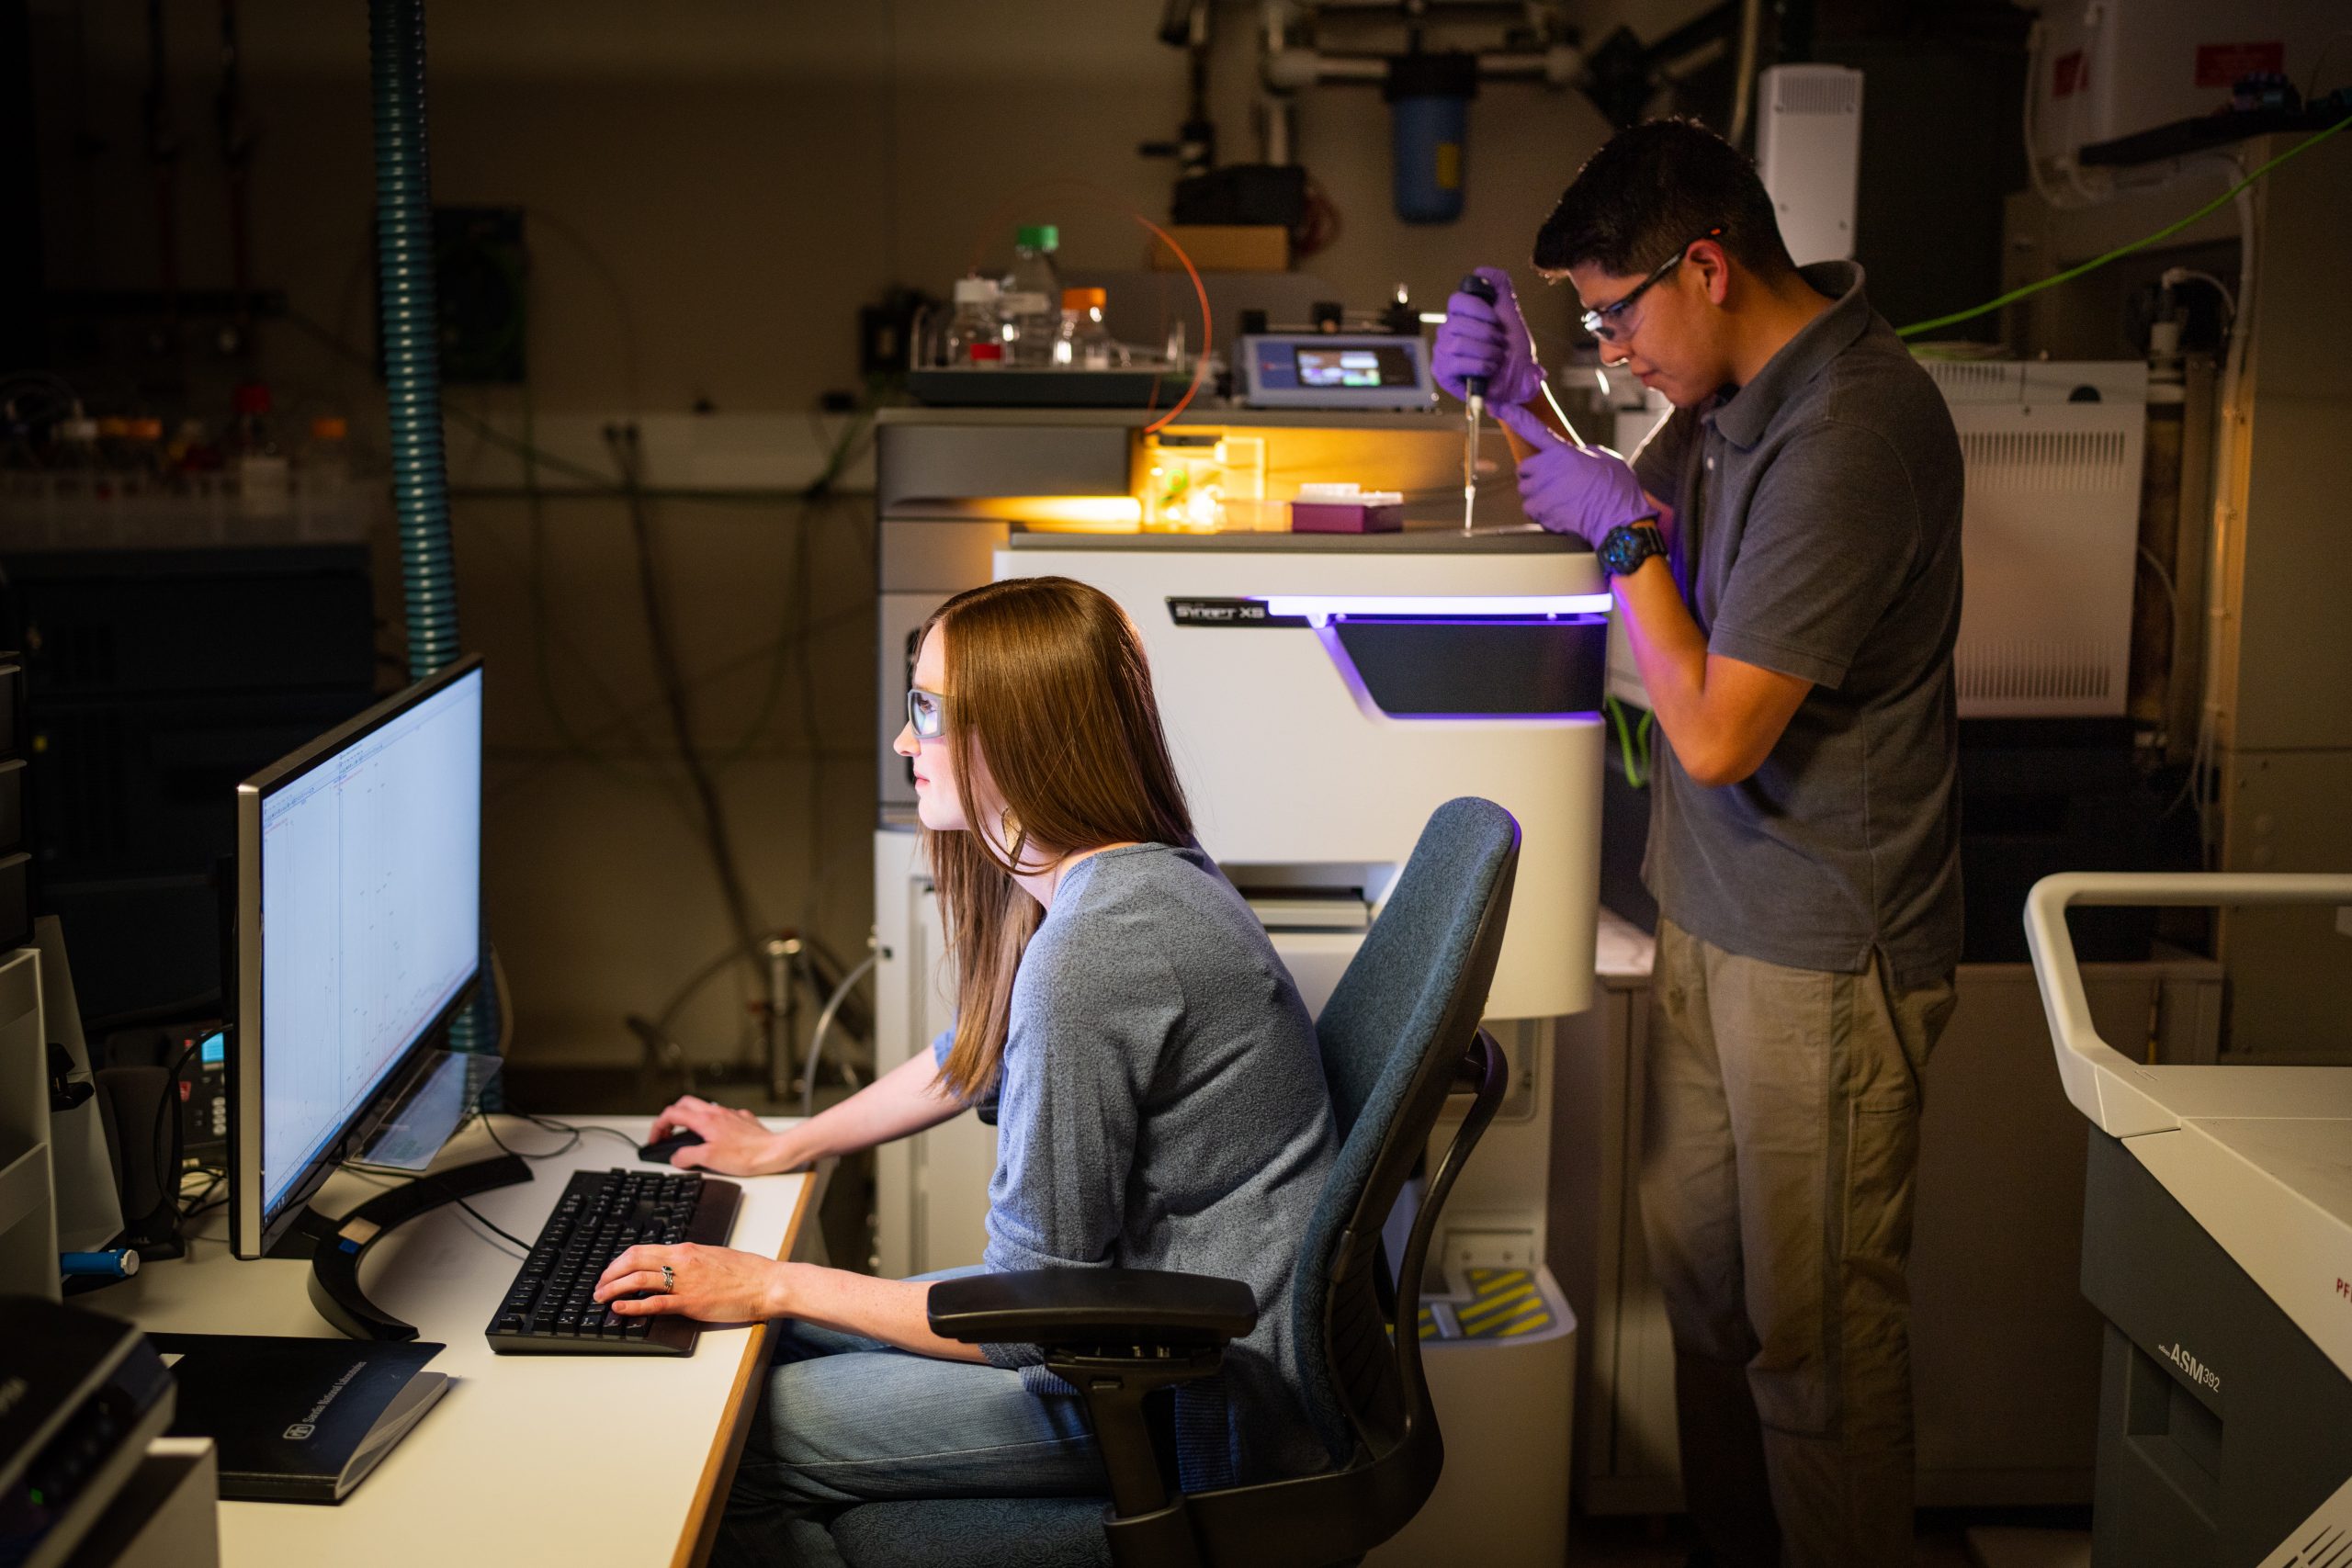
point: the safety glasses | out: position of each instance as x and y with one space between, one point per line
927 711
1609 324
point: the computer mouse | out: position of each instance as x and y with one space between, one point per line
658 1152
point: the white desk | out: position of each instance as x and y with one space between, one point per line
578 1460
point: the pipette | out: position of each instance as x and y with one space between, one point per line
1474 406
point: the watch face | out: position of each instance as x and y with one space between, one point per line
1627 547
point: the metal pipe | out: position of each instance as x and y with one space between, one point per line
1558 66
824 1027
1276 126
1288 70
783 954
1742 83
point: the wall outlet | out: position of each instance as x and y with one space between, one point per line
1489 1249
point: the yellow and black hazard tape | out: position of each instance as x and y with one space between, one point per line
1502 1302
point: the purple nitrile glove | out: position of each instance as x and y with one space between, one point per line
1479 339
1584 490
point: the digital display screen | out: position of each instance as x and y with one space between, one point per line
1380 366
370 920
1370 372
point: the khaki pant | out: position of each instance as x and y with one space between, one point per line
1780 1139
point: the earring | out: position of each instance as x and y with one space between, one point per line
1014 835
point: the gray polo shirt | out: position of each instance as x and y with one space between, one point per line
1817 534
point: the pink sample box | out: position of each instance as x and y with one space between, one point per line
1345 509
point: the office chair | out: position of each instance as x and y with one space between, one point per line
1400 1034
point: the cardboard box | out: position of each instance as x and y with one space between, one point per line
1223 247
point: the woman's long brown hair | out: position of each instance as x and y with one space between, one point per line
1047 678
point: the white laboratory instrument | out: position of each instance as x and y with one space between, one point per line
1809 156
1322 695
2217 1242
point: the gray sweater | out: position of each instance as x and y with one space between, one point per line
1162 1106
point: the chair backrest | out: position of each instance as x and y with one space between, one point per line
1400 1035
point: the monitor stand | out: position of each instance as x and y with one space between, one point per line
335 1247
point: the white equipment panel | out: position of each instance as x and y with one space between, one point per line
1809 152
2049 534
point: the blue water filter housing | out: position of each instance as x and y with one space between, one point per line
1429 115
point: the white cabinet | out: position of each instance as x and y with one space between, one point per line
930 1190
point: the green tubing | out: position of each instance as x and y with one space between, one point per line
413 380
1633 740
412 363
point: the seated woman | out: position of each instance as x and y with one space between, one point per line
1159 1095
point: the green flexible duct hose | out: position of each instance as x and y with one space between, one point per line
412 377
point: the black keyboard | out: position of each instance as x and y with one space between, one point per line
603 1213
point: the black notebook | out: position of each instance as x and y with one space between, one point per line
298 1420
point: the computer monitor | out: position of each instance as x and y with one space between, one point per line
358 935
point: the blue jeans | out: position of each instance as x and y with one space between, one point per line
844 1419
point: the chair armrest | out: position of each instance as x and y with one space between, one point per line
1089 1306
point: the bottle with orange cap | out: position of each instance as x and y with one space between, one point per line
143 450
1084 343
264 475
323 468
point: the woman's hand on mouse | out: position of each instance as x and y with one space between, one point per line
714 1284
734 1143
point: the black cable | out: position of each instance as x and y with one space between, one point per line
167 1182
483 1117
377 1181
718 840
552 1125
626 1142
495 1228
570 1145
204 1201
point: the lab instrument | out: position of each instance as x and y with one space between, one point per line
1473 404
2217 1241
1334 370
85 1394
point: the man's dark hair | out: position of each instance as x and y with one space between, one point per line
1654 187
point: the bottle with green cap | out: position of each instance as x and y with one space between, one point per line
1033 297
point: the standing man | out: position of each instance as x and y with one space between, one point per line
1785 554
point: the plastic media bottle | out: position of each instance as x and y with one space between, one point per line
265 486
324 466
143 453
114 450
1084 342
76 454
975 334
1033 290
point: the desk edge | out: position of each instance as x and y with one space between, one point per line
701 1530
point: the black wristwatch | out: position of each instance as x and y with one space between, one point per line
1627 546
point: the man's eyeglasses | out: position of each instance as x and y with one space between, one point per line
927 711
1608 322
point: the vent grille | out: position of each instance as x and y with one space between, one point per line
2034 669
2328 1544
1994 381
1817 92
2048 462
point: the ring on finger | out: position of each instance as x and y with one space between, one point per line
669 1280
